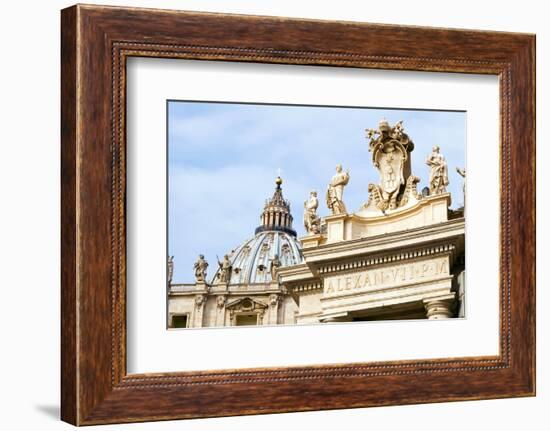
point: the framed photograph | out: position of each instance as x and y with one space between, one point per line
264 214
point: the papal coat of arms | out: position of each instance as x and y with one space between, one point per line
391 148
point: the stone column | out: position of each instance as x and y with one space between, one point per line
439 308
273 309
460 294
200 302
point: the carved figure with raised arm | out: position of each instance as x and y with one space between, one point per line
224 273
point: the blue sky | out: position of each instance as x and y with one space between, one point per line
223 160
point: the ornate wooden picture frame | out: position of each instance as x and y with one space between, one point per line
96 42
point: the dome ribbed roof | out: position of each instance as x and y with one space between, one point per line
251 262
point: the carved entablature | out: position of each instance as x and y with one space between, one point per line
404 256
391 148
308 285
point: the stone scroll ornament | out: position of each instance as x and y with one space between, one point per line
391 148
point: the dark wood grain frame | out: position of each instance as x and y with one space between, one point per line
95 43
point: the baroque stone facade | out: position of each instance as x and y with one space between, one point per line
400 256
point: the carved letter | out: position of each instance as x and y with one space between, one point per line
348 283
441 268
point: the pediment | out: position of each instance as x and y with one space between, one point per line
246 304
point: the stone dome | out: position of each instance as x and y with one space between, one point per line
274 239
251 262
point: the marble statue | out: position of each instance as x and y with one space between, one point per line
311 220
391 148
275 264
170 269
335 191
462 173
200 269
225 269
439 178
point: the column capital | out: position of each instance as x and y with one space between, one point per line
440 307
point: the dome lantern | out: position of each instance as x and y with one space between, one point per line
276 215
274 245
